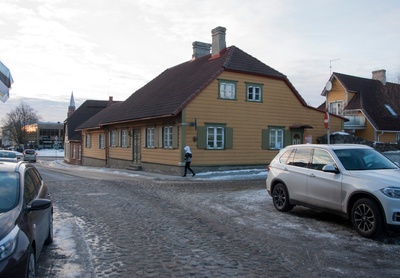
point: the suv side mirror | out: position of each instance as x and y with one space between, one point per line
330 169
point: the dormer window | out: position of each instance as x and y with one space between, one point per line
336 107
388 107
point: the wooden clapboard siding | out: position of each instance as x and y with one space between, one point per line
279 107
94 151
337 93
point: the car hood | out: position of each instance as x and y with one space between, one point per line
382 178
8 220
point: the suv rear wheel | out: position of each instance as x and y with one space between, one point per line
367 218
280 198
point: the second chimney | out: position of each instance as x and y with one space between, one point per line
379 75
218 40
200 49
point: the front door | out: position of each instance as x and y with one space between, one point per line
136 146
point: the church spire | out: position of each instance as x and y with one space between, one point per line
71 107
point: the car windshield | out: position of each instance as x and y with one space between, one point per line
9 191
364 159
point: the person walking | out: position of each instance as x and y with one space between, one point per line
188 159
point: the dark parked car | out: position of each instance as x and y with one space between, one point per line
26 219
351 180
29 155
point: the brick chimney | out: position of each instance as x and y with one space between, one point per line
110 100
200 49
218 40
379 75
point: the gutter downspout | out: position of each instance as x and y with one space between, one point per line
380 136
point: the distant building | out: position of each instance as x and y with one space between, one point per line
45 136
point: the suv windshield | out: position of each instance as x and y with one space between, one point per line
364 159
9 191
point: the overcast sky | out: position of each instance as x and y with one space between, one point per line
102 48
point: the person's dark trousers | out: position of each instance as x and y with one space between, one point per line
187 167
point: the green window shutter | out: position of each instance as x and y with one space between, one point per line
265 139
288 138
174 137
201 137
228 138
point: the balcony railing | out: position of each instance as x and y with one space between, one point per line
355 122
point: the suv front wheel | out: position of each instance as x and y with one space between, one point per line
280 198
367 218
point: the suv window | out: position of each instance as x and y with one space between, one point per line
302 157
287 157
320 159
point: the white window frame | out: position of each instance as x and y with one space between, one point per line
215 138
254 92
102 143
124 138
336 107
113 138
87 141
227 89
276 138
168 137
150 136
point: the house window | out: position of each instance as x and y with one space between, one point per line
102 144
336 107
150 137
167 137
113 138
79 152
254 92
227 89
124 138
87 141
73 152
215 137
276 138
398 138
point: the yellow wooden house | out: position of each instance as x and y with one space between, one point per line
371 106
233 111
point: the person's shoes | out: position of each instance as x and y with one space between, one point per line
194 174
184 176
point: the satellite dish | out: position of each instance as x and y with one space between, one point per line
328 86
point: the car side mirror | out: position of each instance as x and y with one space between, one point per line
330 169
39 204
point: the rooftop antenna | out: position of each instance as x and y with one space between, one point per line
330 65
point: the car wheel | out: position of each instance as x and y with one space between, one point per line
49 238
367 218
31 271
280 198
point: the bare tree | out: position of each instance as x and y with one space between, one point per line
17 120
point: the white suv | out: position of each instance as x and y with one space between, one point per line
352 180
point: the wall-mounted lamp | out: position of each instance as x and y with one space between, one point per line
192 124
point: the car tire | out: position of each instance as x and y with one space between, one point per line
280 198
367 218
31 269
49 238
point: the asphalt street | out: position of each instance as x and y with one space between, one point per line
117 225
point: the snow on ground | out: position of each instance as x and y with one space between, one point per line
214 175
